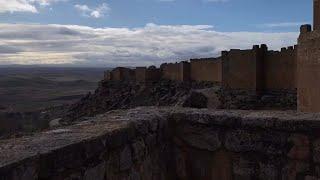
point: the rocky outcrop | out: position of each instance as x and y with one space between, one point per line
111 95
196 100
252 100
22 123
171 143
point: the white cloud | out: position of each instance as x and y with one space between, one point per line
97 12
152 44
44 2
23 5
16 6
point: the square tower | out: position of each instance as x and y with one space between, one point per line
316 14
308 70
243 69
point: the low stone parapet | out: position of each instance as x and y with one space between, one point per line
151 143
124 145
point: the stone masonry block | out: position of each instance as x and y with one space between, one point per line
301 147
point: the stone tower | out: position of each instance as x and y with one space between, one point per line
316 14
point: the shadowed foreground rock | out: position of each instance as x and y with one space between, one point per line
112 95
196 100
150 143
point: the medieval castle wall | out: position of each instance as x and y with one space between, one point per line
206 69
241 69
258 69
171 71
308 70
120 74
255 70
108 75
143 74
258 78
176 71
280 69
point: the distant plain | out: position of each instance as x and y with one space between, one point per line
25 89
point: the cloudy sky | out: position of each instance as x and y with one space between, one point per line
141 32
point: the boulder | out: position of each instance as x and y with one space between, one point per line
55 123
196 100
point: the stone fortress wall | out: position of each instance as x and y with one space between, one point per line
176 71
259 69
250 79
280 69
309 70
143 74
254 78
241 69
206 69
252 69
171 71
308 64
120 74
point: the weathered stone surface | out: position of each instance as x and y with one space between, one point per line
199 137
138 148
242 141
151 141
125 159
112 95
295 170
55 123
316 150
311 178
268 171
145 168
301 147
221 166
25 172
95 173
249 100
212 94
173 142
246 141
134 175
196 100
244 168
308 70
113 164
181 163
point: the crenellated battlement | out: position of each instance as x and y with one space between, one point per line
308 71
255 69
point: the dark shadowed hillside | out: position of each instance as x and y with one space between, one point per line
111 95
